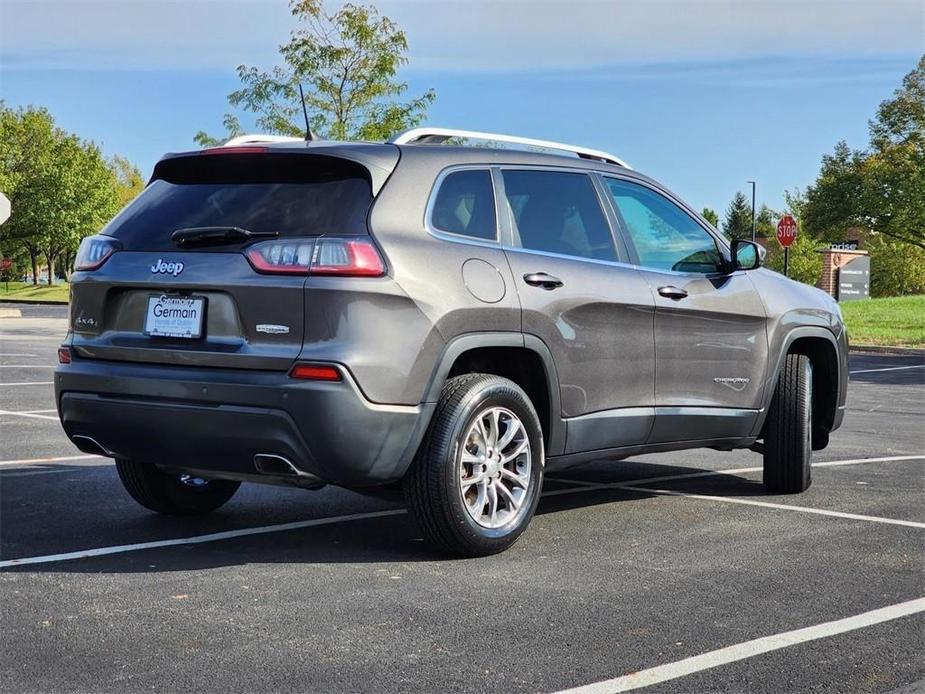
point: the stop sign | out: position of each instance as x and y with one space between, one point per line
786 230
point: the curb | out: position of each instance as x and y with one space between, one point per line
892 351
33 302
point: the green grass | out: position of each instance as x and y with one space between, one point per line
20 291
894 321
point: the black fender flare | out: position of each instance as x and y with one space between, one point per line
463 343
773 373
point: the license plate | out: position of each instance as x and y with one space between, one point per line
175 316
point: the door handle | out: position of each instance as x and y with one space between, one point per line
670 292
542 279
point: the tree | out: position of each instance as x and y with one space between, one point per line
711 216
738 222
60 187
347 62
880 190
129 178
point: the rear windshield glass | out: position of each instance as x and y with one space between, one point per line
290 194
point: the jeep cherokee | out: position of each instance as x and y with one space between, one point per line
459 320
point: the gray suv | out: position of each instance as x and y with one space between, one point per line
454 320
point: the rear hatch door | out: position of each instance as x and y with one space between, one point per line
200 301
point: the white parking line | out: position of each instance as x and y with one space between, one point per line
16 354
28 383
730 471
891 368
40 461
199 539
749 649
768 504
27 366
31 415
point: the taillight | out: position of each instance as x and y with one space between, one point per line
315 372
233 149
64 355
351 256
94 251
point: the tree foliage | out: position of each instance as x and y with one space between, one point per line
346 62
60 187
880 190
738 221
711 216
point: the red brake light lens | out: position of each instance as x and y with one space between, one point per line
341 256
234 150
64 355
316 372
94 251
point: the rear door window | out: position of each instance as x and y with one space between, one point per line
290 194
465 205
558 212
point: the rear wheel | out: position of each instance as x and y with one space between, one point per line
475 483
788 438
173 494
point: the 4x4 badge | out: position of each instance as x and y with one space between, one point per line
161 267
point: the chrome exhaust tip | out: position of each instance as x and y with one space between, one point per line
88 444
280 466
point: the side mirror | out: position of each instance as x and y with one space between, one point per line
747 255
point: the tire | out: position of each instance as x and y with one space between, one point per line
788 438
173 495
453 472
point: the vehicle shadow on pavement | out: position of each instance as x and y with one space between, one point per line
384 539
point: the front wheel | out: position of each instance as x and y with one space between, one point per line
173 494
475 482
788 437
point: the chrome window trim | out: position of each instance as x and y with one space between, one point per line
436 232
576 258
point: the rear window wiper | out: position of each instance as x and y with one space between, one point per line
216 236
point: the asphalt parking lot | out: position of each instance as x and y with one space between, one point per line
675 571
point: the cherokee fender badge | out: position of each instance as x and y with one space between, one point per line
271 329
737 383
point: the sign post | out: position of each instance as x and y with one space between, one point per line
5 265
786 235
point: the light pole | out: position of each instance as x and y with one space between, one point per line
753 209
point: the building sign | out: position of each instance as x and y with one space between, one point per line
854 279
845 246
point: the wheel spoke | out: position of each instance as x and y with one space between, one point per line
486 441
520 480
495 427
471 459
477 478
513 427
477 506
521 447
508 495
492 502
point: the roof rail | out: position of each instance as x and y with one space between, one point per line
255 139
426 135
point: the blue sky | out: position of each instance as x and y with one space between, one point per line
701 94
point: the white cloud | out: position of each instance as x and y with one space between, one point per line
461 35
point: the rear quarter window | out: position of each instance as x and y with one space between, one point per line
290 194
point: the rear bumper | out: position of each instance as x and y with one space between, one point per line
217 420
